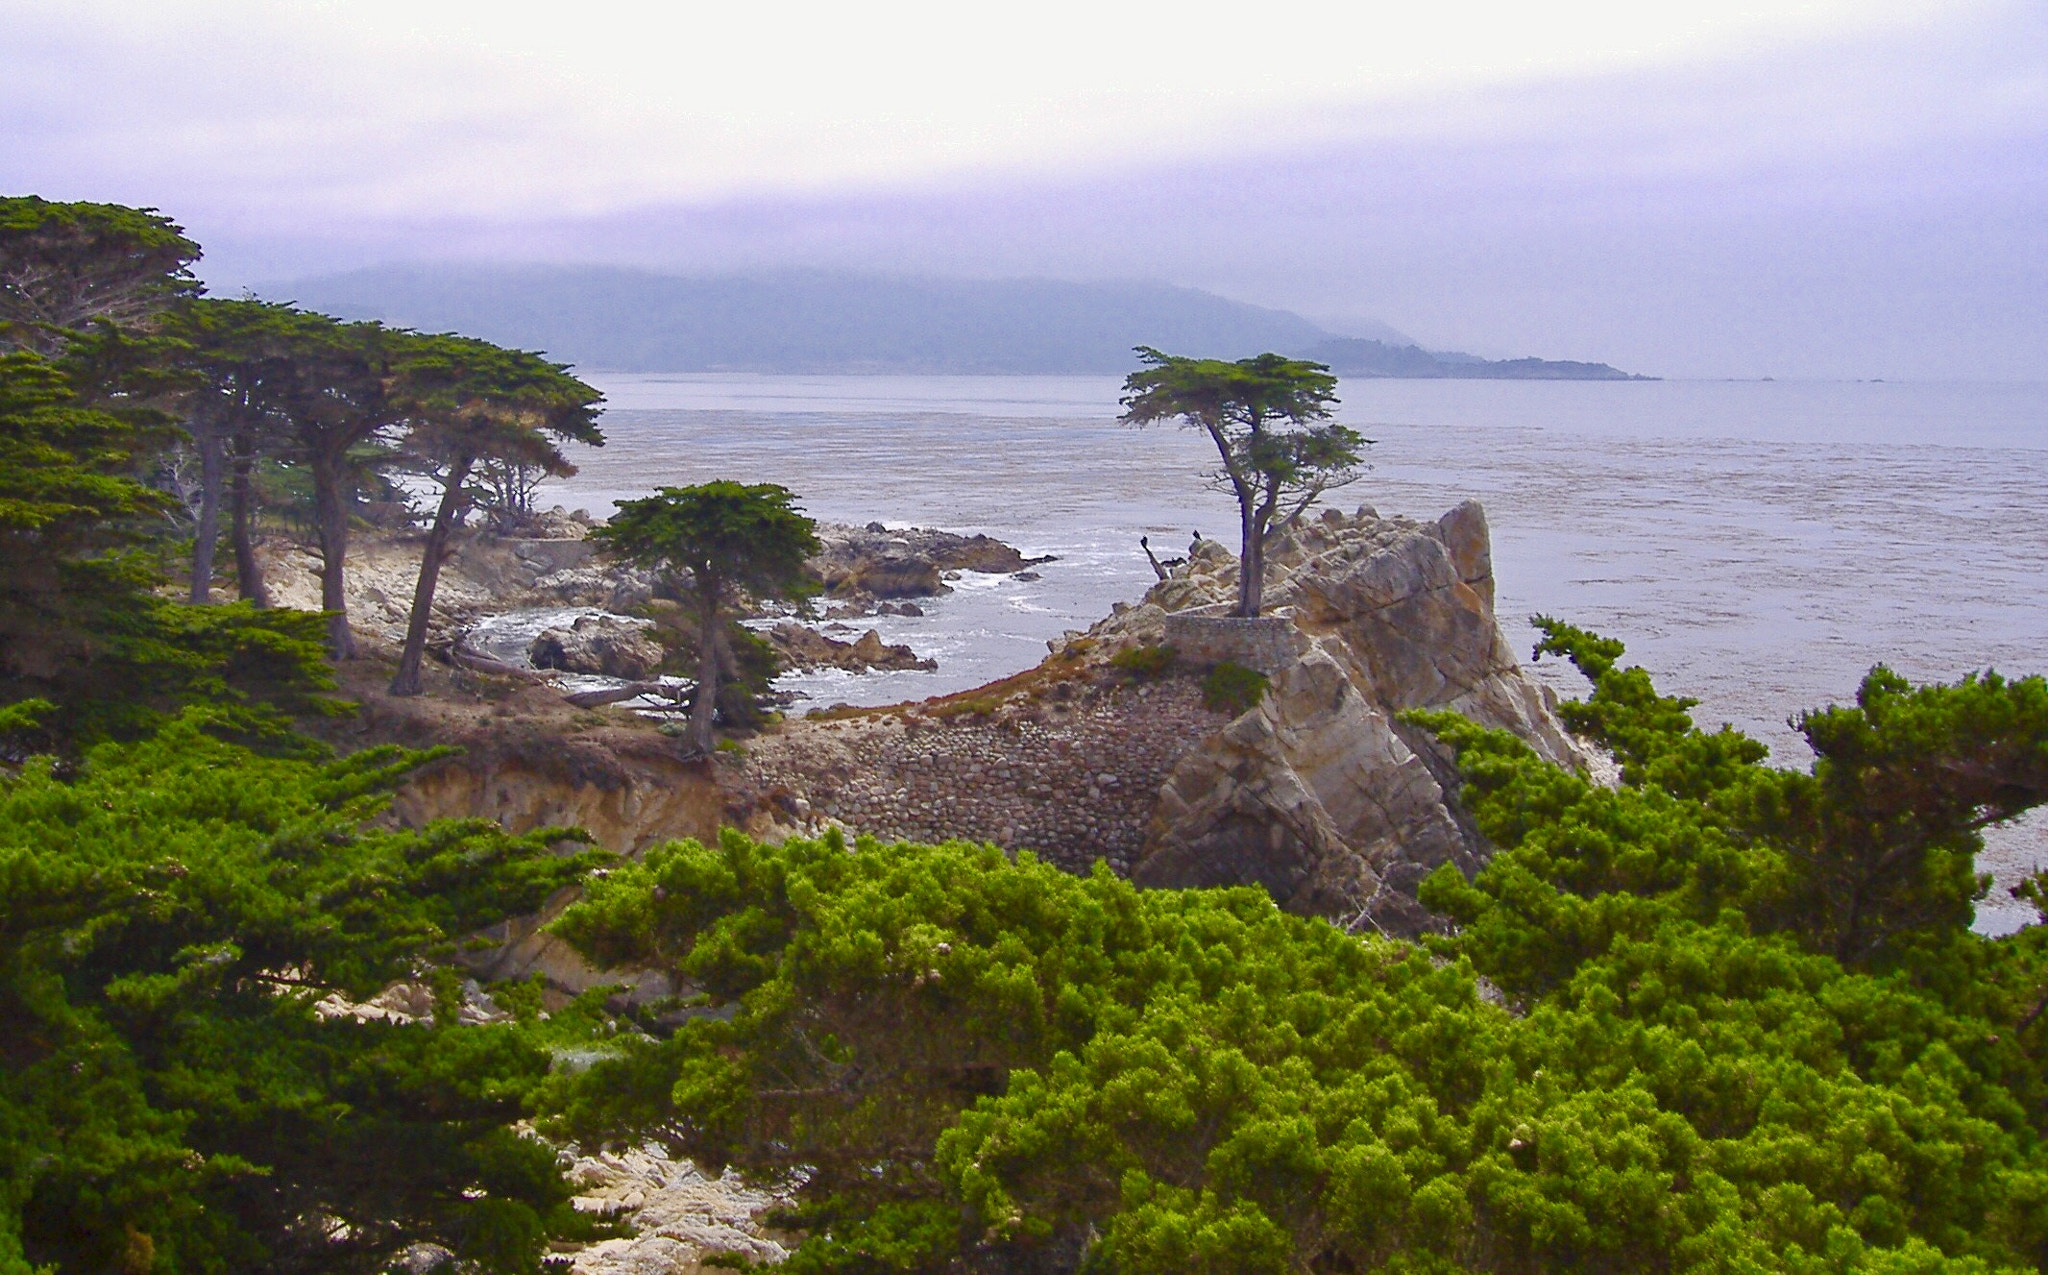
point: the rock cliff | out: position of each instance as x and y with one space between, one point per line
1320 793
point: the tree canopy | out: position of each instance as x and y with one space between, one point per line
466 401
240 358
337 404
731 538
81 624
173 1094
64 266
1269 417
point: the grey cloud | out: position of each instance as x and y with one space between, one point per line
1873 209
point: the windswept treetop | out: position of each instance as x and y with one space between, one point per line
509 402
469 401
1253 393
728 535
64 266
1269 417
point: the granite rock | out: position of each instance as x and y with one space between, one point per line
598 644
803 647
877 562
1320 793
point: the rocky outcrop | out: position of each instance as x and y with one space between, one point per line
553 563
1318 796
486 574
803 647
1320 793
597 644
875 562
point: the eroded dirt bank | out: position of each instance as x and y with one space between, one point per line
528 759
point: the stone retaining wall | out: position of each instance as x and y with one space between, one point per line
1268 643
1074 780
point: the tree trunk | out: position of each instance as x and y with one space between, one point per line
1251 564
407 679
212 461
703 712
330 513
1158 568
242 529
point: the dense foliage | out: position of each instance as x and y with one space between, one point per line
1673 1061
171 1099
81 624
67 266
185 923
1725 1016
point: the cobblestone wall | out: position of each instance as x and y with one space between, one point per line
1268 643
1074 780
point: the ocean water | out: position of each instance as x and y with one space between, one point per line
1758 545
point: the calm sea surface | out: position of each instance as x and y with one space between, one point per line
1758 545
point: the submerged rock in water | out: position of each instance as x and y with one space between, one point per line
875 562
598 644
802 647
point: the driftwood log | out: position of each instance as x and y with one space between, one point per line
465 658
619 694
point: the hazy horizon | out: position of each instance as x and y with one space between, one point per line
1836 191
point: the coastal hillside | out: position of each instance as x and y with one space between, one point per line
1357 356
455 886
823 322
813 322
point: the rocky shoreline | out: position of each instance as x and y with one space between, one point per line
863 571
1318 793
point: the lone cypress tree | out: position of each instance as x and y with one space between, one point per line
1269 417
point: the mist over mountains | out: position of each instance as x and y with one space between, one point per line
626 320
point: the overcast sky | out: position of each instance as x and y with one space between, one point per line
1825 189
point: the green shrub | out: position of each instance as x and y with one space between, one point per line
974 706
1143 661
1233 688
172 913
968 1062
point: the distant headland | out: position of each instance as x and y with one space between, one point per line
826 322
1358 357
